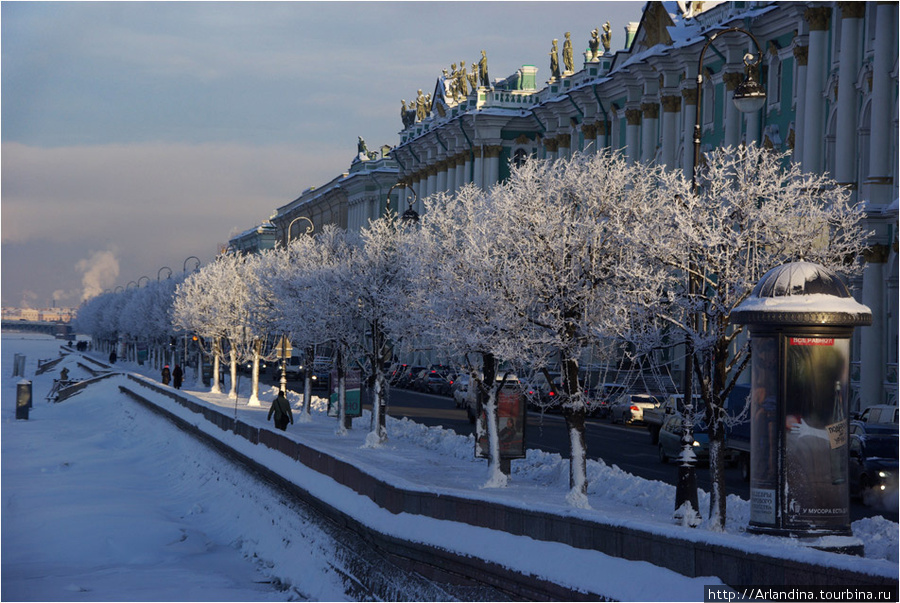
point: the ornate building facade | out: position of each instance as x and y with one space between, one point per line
830 70
831 77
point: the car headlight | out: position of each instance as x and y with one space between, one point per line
883 474
696 443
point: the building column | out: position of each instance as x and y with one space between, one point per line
602 135
814 119
551 147
846 152
463 168
632 135
451 174
589 131
801 55
492 165
479 168
649 130
881 171
732 114
440 179
690 116
873 339
671 109
564 147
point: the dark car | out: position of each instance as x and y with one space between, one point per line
436 383
409 374
873 459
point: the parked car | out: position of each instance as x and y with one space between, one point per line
873 459
629 408
437 383
670 440
406 377
294 367
461 391
656 417
601 397
880 413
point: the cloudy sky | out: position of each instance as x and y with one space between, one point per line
135 135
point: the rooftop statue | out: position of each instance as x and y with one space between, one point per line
462 84
421 112
473 77
568 58
554 61
594 44
606 38
483 70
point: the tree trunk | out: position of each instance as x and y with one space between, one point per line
575 412
307 386
488 396
214 388
254 383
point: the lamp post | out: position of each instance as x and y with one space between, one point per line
184 265
748 97
287 232
143 277
159 272
410 215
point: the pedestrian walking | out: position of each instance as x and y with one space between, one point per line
177 376
281 408
112 357
166 375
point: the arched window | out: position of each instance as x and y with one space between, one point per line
519 157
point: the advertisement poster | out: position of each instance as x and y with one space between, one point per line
816 423
764 430
511 421
353 399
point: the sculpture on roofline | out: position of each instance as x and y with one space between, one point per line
483 70
462 88
606 38
568 57
554 61
594 45
473 77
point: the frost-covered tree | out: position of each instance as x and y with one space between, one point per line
382 286
453 265
558 234
752 210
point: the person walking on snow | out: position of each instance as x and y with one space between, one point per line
166 375
282 411
177 376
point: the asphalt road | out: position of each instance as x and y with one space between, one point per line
627 446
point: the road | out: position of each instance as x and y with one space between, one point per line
627 446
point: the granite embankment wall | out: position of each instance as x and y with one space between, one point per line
691 558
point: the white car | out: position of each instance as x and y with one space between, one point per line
629 408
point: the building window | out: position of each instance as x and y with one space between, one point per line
773 88
519 157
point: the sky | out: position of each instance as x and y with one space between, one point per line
165 519
138 134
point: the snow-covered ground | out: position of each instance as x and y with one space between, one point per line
103 500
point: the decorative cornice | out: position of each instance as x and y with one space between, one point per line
650 110
671 104
732 80
876 254
818 18
852 10
492 151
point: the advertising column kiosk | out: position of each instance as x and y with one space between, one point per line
800 317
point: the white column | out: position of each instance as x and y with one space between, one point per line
670 134
632 135
689 95
463 168
880 167
801 55
479 168
872 338
451 174
492 165
441 176
847 112
732 114
649 130
814 120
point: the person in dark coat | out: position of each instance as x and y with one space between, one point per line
281 408
177 376
166 375
112 357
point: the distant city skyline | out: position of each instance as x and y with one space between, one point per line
139 134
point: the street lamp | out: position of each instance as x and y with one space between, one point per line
748 97
184 266
143 277
159 272
287 232
410 215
